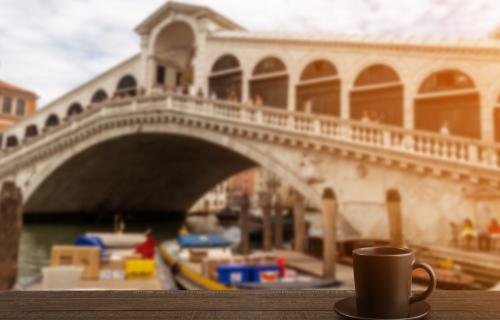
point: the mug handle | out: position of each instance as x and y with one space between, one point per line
424 295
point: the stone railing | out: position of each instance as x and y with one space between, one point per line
417 143
467 152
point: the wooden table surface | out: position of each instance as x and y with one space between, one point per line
273 305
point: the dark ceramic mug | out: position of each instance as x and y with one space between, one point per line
382 277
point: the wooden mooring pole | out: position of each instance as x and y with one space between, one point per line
299 223
393 199
329 234
278 222
245 223
10 233
267 223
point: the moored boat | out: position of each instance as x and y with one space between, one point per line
207 262
109 261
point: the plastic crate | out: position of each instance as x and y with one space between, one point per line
230 274
135 268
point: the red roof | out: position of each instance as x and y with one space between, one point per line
12 87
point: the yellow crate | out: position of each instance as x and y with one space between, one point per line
139 268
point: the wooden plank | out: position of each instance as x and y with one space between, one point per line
216 315
311 304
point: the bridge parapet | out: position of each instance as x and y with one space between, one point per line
462 151
442 155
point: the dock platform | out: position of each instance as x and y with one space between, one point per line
484 266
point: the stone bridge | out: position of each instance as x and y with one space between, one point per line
125 140
161 152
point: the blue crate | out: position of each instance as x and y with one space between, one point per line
233 273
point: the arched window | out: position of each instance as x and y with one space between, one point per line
270 83
99 96
52 121
319 89
225 80
31 131
127 86
448 98
378 96
74 110
12 141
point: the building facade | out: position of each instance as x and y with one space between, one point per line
16 103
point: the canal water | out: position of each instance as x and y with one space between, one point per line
37 240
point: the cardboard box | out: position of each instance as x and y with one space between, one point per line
62 256
197 256
209 267
86 257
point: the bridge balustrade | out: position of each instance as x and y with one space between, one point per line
465 151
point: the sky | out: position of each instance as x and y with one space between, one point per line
52 46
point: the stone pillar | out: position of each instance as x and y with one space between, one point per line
345 101
245 88
150 73
329 233
408 108
299 224
245 224
291 95
267 224
395 220
278 223
10 233
487 118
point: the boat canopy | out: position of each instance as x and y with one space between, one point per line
202 241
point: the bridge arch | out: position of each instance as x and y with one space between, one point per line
377 94
318 89
127 86
31 131
99 96
270 82
74 110
11 141
226 78
173 49
448 98
245 155
52 121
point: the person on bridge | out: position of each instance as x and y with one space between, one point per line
259 102
494 234
468 234
445 131
366 117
